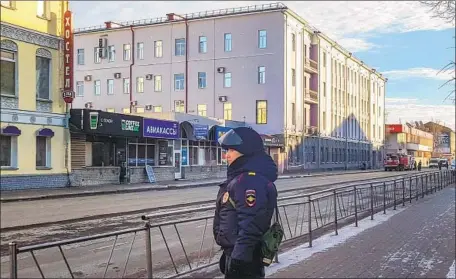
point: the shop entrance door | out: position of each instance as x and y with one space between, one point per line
177 164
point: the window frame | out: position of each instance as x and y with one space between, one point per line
181 82
262 38
225 78
158 84
95 86
96 58
13 154
257 112
227 43
139 84
126 52
126 85
202 45
81 61
202 78
48 163
180 46
111 53
140 51
261 74
15 79
158 49
204 111
79 85
108 86
49 97
228 112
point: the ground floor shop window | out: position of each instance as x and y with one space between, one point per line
202 153
153 152
8 151
43 152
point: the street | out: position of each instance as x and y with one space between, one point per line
89 259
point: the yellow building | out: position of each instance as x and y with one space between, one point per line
34 138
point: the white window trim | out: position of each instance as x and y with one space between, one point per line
160 89
14 153
261 75
16 72
175 82
203 110
126 89
96 58
265 37
202 46
158 54
126 52
139 85
225 44
225 79
107 85
111 53
95 87
50 81
48 163
140 54
79 55
201 78
79 94
176 48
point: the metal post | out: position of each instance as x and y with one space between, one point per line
148 250
384 197
410 190
372 201
310 222
394 194
335 212
13 260
427 186
416 187
422 187
356 207
403 191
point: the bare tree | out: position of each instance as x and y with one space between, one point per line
445 10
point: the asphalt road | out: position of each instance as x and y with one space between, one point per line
41 211
89 259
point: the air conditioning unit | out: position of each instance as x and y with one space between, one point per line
134 103
148 107
88 78
149 76
220 69
223 99
88 105
117 75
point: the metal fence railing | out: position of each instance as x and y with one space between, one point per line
186 245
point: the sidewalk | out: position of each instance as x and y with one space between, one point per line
37 194
413 242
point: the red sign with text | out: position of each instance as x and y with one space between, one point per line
68 92
395 128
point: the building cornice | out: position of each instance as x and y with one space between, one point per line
26 35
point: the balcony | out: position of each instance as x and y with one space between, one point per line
311 66
311 96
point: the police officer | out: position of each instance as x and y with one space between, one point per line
245 204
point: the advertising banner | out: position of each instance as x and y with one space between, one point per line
155 128
200 131
442 143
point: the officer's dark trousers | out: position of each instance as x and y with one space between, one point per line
255 270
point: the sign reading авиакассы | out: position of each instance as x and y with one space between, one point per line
154 128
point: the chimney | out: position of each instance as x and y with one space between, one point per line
170 16
108 24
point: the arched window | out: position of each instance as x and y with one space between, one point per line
43 74
9 67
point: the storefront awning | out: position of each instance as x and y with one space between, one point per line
194 131
217 131
45 132
11 131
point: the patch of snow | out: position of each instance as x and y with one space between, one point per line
426 265
302 252
451 272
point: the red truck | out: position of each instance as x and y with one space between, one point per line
398 162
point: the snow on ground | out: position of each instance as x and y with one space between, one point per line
451 272
327 241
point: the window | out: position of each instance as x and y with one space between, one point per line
227 80
126 110
8 4
179 82
8 73
324 59
293 42
262 39
140 49
97 87
202 110
228 42
139 85
158 49
140 110
110 110
202 44
126 52
81 56
8 151
179 47
179 106
293 114
201 80
157 83
43 78
43 150
126 85
41 8
324 120
111 53
96 57
227 111
324 89
261 112
110 87
80 88
261 75
293 77
158 109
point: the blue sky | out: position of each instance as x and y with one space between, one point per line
399 39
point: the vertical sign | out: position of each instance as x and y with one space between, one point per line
68 93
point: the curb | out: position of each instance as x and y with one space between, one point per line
157 188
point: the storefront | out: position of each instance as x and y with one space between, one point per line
273 146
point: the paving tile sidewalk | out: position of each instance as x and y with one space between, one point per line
35 194
418 242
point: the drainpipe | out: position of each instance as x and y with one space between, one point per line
131 66
186 65
346 116
286 89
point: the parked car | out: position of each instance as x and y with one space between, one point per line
444 163
434 163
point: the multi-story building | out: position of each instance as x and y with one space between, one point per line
406 139
263 65
444 140
33 136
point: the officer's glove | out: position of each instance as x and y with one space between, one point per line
238 268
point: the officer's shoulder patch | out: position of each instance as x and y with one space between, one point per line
252 173
225 198
250 198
